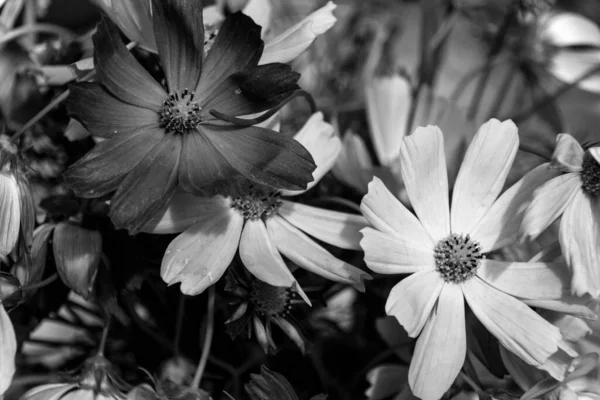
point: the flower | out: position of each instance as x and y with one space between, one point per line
573 192
159 140
444 251
263 226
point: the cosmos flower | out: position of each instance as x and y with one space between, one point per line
444 248
264 226
574 193
161 139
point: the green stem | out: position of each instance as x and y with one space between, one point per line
104 336
208 335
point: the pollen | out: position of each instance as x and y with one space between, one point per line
271 301
255 204
457 258
179 113
590 175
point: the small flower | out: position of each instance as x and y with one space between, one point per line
444 249
573 193
97 380
264 226
160 139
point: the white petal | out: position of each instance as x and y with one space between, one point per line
527 280
8 350
523 374
581 307
573 329
579 238
568 153
261 12
184 210
423 166
389 215
387 253
333 227
385 381
199 256
549 202
300 249
388 107
413 298
516 326
354 166
483 173
440 351
571 66
10 213
321 141
51 391
291 43
595 152
500 225
570 29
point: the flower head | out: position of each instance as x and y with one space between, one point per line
444 249
163 138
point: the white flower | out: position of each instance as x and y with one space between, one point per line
443 248
574 193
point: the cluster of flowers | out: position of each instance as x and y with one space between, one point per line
197 152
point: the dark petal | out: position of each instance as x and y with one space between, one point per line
237 47
120 72
264 156
103 114
253 90
102 169
147 187
202 168
179 32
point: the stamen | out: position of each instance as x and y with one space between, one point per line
457 258
271 301
179 112
590 175
256 204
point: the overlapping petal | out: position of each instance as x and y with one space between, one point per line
483 173
354 165
10 213
199 256
423 166
387 253
568 153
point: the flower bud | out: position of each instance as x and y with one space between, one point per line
30 269
77 255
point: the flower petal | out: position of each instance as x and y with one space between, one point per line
321 141
10 213
147 187
571 66
567 29
483 173
388 100
527 280
353 165
516 326
261 12
579 238
568 153
581 307
263 156
386 253
120 72
299 248
134 18
179 33
184 210
291 43
103 169
103 114
412 300
442 347
238 46
8 350
595 152
199 256
423 166
385 381
549 202
333 227
500 226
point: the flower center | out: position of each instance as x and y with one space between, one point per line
590 175
179 112
457 258
256 204
271 301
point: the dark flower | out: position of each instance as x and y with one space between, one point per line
160 139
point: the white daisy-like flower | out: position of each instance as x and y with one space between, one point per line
444 248
574 193
264 227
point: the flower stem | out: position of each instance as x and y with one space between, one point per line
104 336
41 284
208 335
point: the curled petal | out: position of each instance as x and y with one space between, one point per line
10 213
568 153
